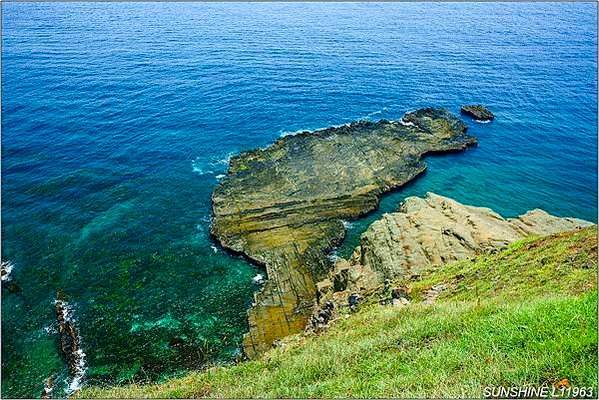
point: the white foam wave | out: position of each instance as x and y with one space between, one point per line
378 112
214 248
215 165
197 168
258 279
293 133
482 122
223 160
347 224
77 380
6 270
204 223
304 130
50 330
404 123
333 257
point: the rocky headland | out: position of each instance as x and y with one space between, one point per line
427 233
284 206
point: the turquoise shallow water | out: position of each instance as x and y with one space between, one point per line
117 120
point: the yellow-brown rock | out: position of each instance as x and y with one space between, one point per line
434 230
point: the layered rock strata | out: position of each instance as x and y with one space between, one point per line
284 206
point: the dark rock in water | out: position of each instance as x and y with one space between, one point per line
284 206
70 345
12 287
48 388
478 112
176 341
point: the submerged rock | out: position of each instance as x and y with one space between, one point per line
284 206
478 112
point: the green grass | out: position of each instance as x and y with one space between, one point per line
562 263
534 324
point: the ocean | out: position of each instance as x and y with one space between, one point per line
118 119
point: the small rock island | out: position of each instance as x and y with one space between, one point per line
284 206
478 112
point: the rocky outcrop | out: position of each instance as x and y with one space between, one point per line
431 231
48 387
284 206
70 342
478 112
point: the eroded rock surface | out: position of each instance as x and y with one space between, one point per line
284 206
435 230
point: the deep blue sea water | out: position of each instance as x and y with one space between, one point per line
118 118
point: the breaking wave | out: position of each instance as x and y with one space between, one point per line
216 165
6 269
378 112
258 279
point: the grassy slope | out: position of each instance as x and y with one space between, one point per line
526 316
